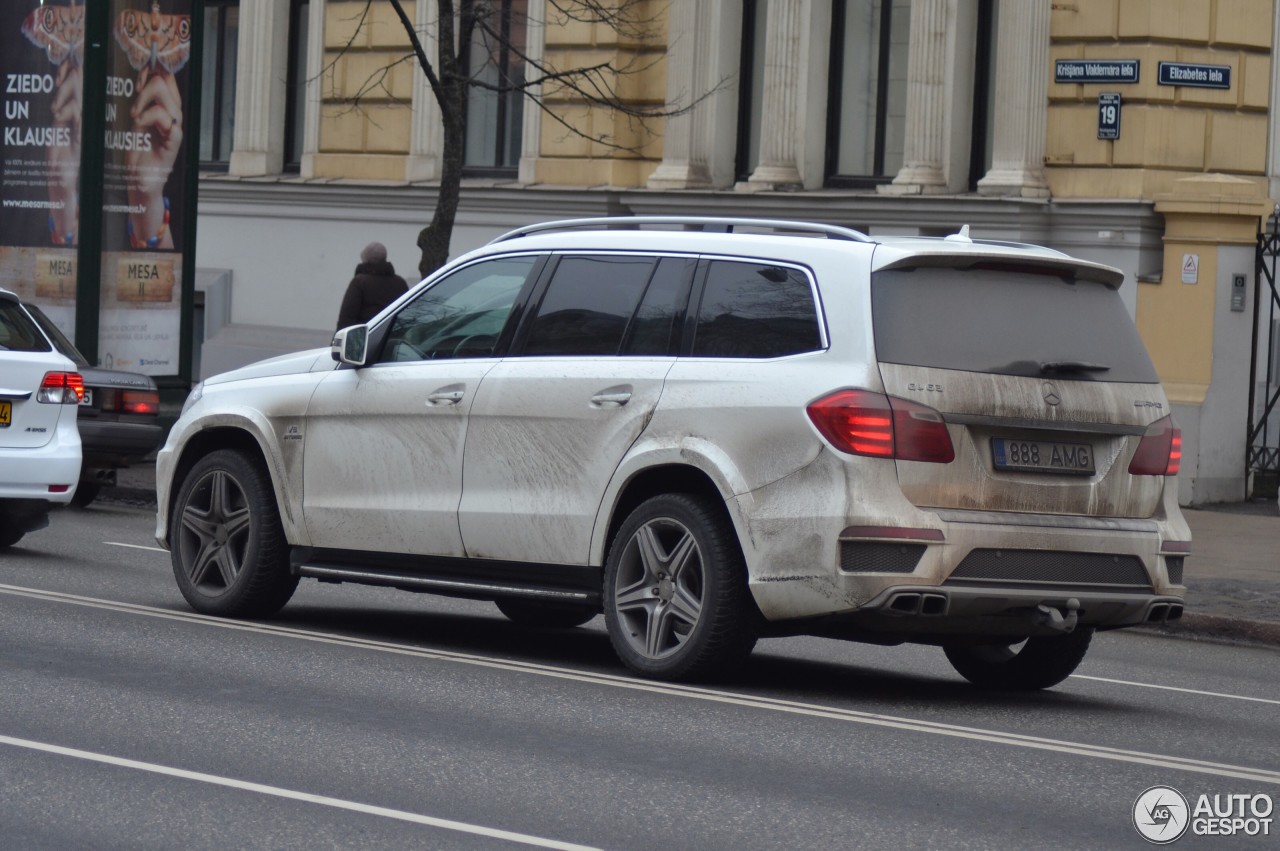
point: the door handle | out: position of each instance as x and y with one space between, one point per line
611 398
446 397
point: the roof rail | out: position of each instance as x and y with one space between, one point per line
707 224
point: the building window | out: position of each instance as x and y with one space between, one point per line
494 58
296 93
984 94
751 88
218 82
867 94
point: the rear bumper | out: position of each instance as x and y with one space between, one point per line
116 444
28 473
958 573
947 613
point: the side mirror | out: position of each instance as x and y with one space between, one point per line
351 345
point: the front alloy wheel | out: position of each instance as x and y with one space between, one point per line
676 598
228 549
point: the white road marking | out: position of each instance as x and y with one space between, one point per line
135 546
276 791
874 719
1176 688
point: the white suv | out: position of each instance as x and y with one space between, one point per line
711 430
39 441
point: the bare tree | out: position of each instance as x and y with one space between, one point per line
467 21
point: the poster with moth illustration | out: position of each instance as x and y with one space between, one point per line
149 94
41 59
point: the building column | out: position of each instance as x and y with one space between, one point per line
1201 346
784 87
531 116
699 58
426 131
1021 102
925 145
1273 112
261 71
315 67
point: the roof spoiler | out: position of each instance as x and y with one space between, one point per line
1062 266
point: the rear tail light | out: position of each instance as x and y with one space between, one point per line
61 388
139 402
864 423
1160 450
128 401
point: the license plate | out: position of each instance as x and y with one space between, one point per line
88 397
1039 456
6 413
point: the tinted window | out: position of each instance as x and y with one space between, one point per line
1007 323
652 326
460 316
588 304
17 332
750 310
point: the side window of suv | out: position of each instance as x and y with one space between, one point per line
588 305
753 310
460 316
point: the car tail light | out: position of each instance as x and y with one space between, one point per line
61 388
864 423
139 402
1160 450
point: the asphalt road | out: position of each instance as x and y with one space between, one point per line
374 718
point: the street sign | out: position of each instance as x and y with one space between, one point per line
1095 71
1109 115
1196 76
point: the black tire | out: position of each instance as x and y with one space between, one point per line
86 492
540 615
1040 663
681 549
228 549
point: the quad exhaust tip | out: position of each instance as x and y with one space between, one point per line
917 603
1165 613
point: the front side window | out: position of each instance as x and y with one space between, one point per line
218 81
588 305
751 310
462 315
495 60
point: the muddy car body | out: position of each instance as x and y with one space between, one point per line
711 430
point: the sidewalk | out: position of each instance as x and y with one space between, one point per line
1232 575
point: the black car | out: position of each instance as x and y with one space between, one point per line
119 418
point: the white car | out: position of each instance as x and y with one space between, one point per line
39 443
711 430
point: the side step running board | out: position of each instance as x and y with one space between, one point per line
484 589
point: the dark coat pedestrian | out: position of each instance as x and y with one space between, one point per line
375 285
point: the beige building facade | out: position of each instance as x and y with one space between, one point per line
890 116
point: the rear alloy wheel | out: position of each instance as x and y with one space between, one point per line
229 553
676 601
1040 662
545 615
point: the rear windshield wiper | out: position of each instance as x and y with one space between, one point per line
1072 366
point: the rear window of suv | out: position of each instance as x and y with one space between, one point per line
17 332
1006 322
